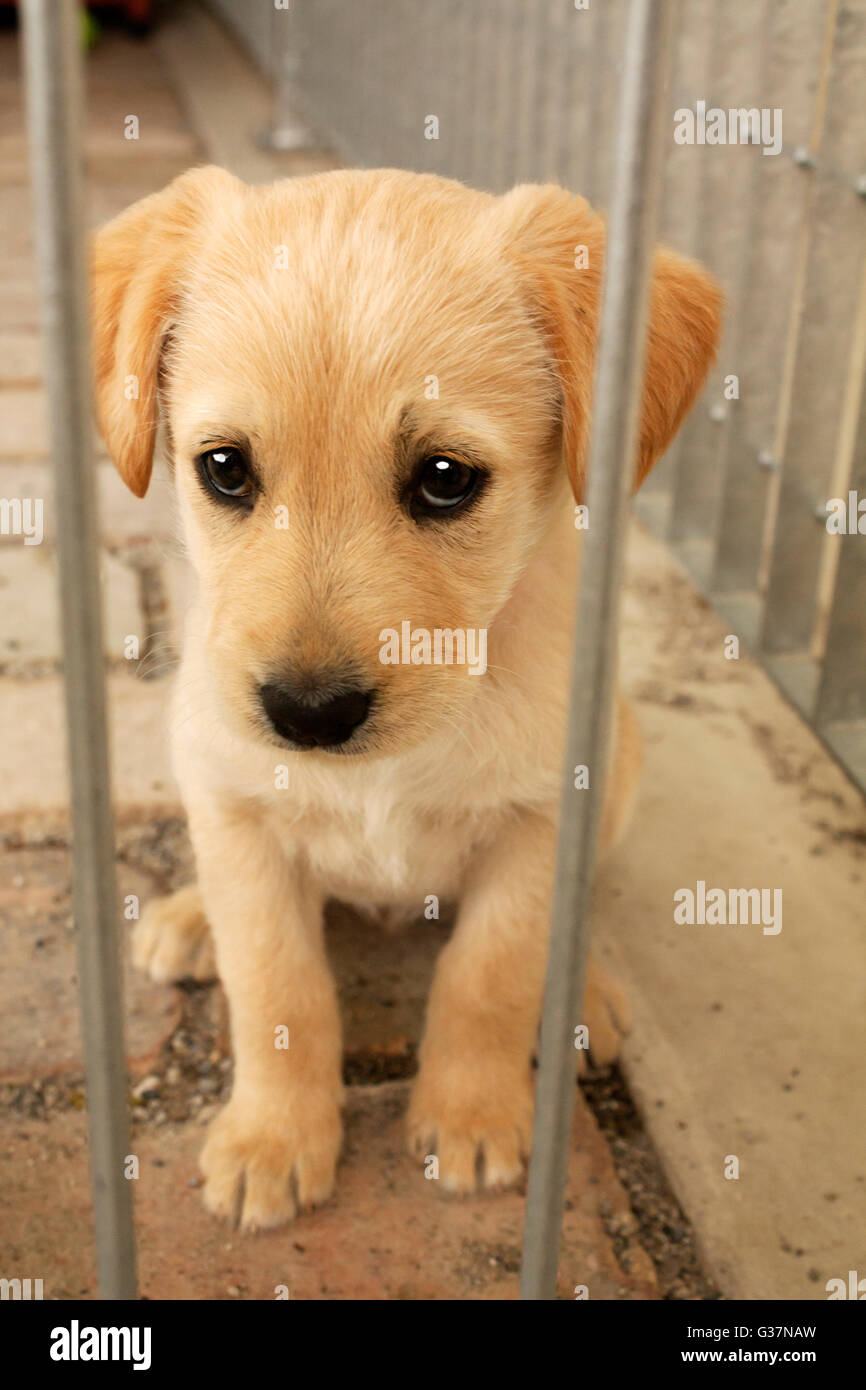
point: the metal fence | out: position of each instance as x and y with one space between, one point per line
500 91
495 93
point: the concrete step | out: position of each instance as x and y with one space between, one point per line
746 1045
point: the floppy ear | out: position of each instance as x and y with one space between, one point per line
558 242
138 263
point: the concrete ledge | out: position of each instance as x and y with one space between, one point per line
745 1044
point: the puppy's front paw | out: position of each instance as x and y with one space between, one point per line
606 1013
173 941
259 1174
477 1121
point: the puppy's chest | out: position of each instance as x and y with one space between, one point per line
372 854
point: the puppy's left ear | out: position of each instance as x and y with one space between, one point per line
137 272
557 242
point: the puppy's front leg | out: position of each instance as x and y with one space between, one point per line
274 1148
472 1103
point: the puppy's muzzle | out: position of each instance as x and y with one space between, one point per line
317 716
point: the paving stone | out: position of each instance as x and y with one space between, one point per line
20 359
115 63
18 290
16 228
384 982
34 781
24 425
161 130
41 1032
123 518
387 1233
24 420
29 586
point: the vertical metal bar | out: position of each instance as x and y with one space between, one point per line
458 33
688 220
528 38
690 79
554 58
842 692
576 116
812 462
599 105
484 77
428 90
332 50
683 185
791 84
287 130
506 114
605 82
633 217
366 135
55 108
730 172
408 59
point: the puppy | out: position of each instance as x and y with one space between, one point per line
375 390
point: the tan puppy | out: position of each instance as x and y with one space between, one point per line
368 382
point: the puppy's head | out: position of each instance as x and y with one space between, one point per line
371 383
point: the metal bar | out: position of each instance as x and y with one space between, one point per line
599 107
682 203
697 77
484 77
331 38
55 108
791 84
604 86
574 113
505 112
427 89
812 462
729 174
407 56
458 33
287 130
556 35
528 38
842 693
633 216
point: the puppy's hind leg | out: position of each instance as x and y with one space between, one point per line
605 1004
606 1013
623 776
173 940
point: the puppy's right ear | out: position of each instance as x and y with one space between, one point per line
546 228
138 263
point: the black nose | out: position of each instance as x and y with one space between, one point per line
319 717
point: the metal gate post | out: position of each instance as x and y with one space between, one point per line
616 417
55 111
287 130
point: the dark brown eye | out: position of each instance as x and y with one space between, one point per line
227 473
442 485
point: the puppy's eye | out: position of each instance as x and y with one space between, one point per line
442 485
227 472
